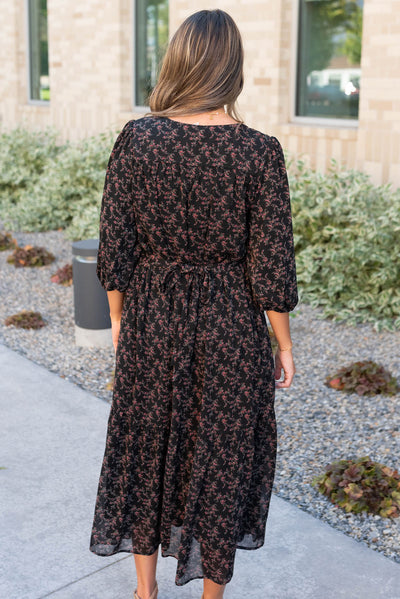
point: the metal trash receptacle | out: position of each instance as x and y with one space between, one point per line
92 313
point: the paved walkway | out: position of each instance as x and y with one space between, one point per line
52 444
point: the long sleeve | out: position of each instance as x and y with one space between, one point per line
118 252
270 259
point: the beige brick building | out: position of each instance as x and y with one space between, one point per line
94 48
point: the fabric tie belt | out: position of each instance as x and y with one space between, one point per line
171 269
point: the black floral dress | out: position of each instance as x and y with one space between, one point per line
196 229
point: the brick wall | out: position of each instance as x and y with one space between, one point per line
378 147
91 76
90 62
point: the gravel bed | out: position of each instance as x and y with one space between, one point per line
315 424
53 346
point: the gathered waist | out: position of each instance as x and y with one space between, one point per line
166 263
171 269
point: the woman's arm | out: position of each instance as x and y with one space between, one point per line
280 325
283 358
116 302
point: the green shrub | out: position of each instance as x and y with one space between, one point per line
66 191
85 218
361 485
364 378
24 156
347 241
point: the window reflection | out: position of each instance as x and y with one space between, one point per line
38 51
329 57
151 38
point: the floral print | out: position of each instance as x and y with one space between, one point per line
196 229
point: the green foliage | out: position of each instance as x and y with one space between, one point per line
26 319
63 276
347 241
61 189
30 255
24 156
333 28
352 45
361 485
364 378
85 217
7 242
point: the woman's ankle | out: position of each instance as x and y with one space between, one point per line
145 589
146 566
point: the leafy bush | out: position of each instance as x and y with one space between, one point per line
65 192
24 156
85 219
63 276
30 255
361 485
26 319
347 240
365 378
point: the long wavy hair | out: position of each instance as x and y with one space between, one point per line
202 69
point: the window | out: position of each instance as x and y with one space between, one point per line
329 56
38 51
151 38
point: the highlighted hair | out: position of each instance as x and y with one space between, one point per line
202 68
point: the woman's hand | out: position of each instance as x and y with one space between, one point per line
284 360
115 327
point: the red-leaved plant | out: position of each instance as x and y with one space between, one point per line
26 319
364 378
361 485
30 255
7 242
63 276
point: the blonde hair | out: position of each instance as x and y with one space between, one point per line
202 68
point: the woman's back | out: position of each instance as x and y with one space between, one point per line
200 194
192 184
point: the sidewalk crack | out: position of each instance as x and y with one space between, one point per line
82 578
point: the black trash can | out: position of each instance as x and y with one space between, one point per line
92 313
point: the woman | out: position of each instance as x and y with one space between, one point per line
195 244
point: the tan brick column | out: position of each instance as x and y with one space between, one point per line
378 147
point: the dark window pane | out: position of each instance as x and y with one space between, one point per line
151 38
329 56
38 51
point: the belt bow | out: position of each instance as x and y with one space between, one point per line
171 269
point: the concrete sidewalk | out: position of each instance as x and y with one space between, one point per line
52 445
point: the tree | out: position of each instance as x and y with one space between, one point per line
327 20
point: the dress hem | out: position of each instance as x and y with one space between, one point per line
164 554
